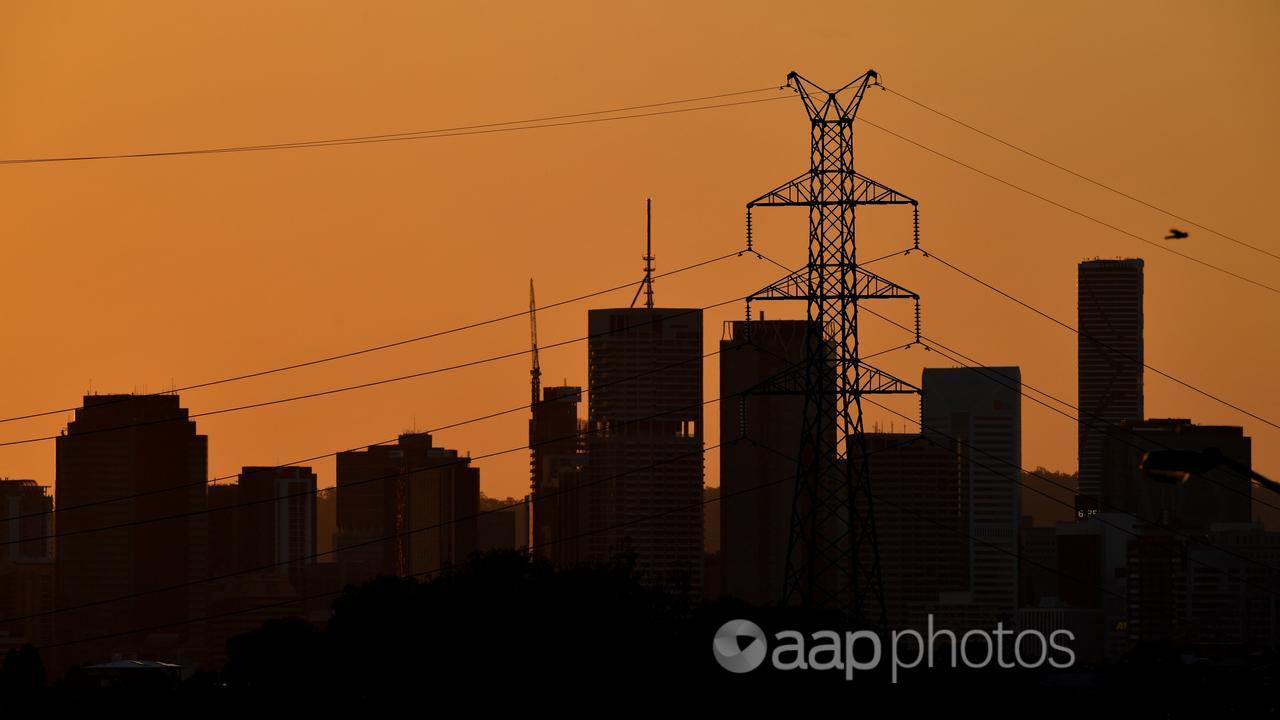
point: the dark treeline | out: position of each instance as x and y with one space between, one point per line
502 630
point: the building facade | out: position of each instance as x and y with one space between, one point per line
1109 362
755 521
645 425
977 411
131 494
406 509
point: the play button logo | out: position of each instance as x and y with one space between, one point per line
739 646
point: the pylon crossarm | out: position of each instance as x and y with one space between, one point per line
870 381
870 192
790 381
867 286
792 287
873 381
792 192
864 191
870 286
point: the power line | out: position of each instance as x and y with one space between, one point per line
377 348
424 573
1086 216
481 129
442 568
347 388
306 493
996 378
1017 481
999 380
723 495
933 344
1025 471
1086 178
707 501
1073 329
375 541
954 530
1077 331
266 469
366 481
1096 421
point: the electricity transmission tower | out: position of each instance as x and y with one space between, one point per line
833 560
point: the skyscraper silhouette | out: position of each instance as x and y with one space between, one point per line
26 563
645 461
978 411
922 518
277 524
555 457
144 449
25 521
410 507
755 523
1110 357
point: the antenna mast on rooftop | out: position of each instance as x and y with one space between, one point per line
647 283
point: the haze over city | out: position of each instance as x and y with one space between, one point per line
144 274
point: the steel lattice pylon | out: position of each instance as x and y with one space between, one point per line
833 560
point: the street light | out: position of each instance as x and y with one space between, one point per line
1177 466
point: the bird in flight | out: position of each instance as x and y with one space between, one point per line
1175 234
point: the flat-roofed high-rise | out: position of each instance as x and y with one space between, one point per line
1110 361
555 461
645 468
131 496
406 509
977 411
757 473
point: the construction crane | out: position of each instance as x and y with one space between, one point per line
535 374
535 388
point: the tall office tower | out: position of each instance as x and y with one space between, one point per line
1109 362
1220 495
26 521
277 525
554 432
645 445
123 463
755 521
978 411
406 509
223 501
26 563
262 539
922 522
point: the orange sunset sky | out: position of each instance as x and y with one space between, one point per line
141 274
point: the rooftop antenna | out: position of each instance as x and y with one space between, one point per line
647 284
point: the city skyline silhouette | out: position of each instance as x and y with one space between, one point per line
295 241
273 332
